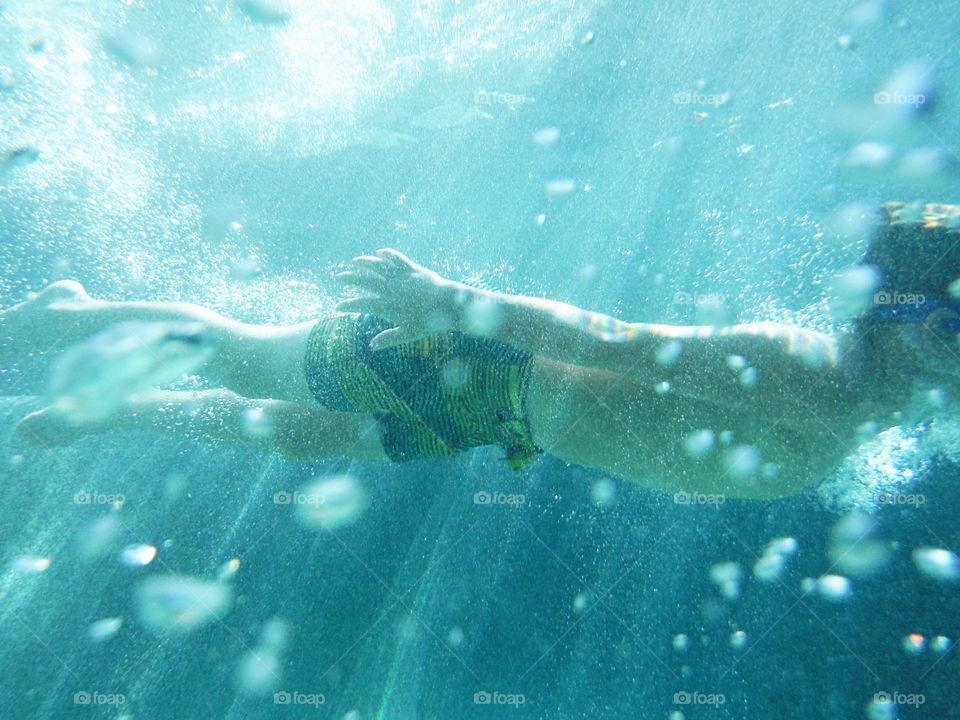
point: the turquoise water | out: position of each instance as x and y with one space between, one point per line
235 156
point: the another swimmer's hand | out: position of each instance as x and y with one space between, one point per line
417 300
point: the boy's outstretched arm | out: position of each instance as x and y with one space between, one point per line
420 302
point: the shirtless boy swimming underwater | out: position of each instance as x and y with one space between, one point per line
421 366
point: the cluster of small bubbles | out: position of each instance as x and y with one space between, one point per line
104 629
742 462
681 642
138 555
771 564
662 388
669 352
245 268
699 443
726 576
602 492
856 547
937 563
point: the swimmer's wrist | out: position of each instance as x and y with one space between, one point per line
470 308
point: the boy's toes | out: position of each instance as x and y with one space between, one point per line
47 428
63 290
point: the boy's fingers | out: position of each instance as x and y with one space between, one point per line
391 338
363 279
372 306
397 258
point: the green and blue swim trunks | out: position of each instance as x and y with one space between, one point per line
433 397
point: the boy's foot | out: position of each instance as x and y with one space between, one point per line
43 321
50 427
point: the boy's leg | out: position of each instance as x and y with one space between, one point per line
258 361
293 429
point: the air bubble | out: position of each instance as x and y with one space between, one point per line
104 629
547 136
560 187
855 546
742 462
669 352
177 604
699 443
833 587
138 555
937 563
330 503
